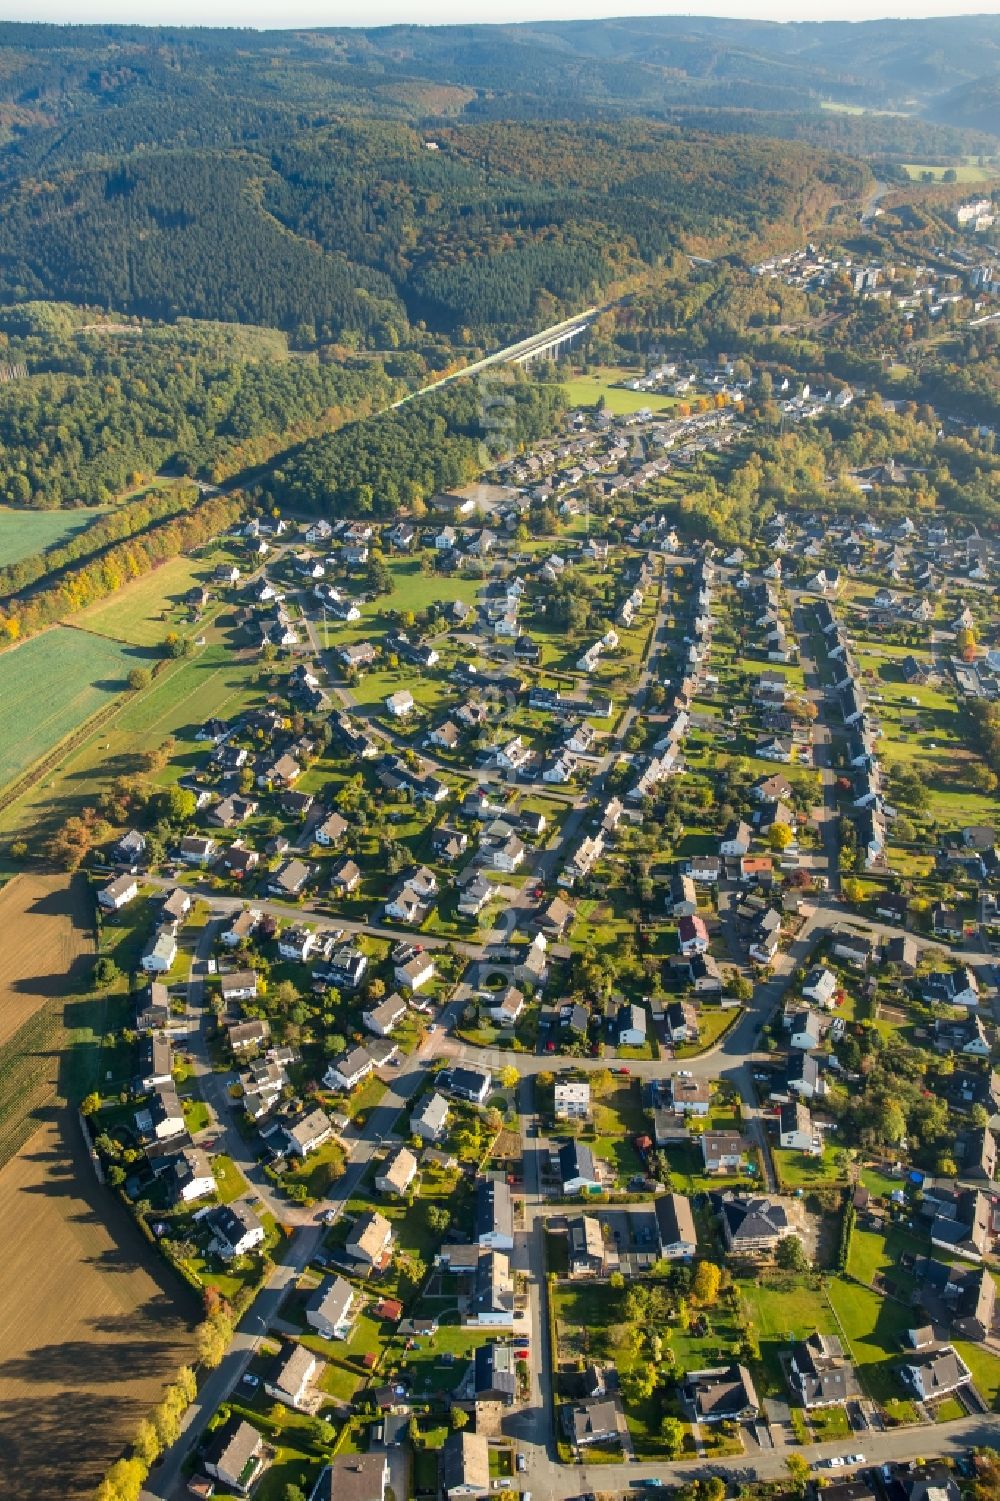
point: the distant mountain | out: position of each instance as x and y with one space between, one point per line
971 106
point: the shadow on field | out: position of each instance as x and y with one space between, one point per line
69 1405
58 1447
58 981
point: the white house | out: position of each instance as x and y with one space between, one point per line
400 704
430 1121
796 1130
118 893
820 985
417 972
387 1014
330 1310
160 952
571 1100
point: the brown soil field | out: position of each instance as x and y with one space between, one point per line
46 932
92 1323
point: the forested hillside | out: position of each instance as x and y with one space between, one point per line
358 230
104 403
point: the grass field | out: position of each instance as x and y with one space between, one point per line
47 932
91 1323
969 172
214 681
144 611
25 532
587 390
49 686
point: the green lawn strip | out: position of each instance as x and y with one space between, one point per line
230 1182
874 1329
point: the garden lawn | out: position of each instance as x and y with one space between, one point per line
874 1328
797 1170
784 1311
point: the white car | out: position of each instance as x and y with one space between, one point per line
684 1073
855 1459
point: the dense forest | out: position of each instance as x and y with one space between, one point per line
104 404
406 456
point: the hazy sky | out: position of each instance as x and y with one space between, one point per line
285 13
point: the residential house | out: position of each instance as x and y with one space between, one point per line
509 1008
470 1084
118 893
348 1069
238 985
293 1376
681 1021
415 972
430 1120
819 1375
195 849
571 1100
309 1133
931 1374
723 1151
236 1456
631 1025
235 1229
675 1227
577 1170
290 879
160 952
465 1458
753 1227
692 935
189 1176
585 1242
493 1224
690 1096
385 1016
592 1421
820 985
249 1036
796 1131
331 1308
495 1374
370 1240
397 1172
723 1394
492 1301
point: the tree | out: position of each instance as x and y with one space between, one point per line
799 1470
438 1218
139 678
780 836
91 1104
853 891
706 1283
672 1433
176 804
293 1492
212 1338
509 1076
790 1255
459 1418
106 972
